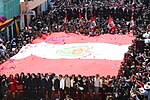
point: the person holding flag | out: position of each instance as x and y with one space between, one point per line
111 25
92 25
65 20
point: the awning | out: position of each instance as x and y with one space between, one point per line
7 22
2 19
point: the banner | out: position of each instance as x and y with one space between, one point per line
28 13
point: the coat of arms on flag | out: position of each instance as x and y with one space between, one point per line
93 23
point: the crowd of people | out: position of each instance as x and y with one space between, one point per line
77 18
12 47
132 81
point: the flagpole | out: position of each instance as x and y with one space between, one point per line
26 2
86 14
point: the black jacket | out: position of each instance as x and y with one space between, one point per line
56 84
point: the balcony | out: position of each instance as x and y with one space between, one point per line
30 4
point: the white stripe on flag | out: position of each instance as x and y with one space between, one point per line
74 51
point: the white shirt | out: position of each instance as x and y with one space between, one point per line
72 82
62 84
101 83
97 82
53 83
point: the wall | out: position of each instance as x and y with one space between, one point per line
40 5
1 8
31 4
10 9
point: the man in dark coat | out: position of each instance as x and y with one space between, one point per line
80 86
43 87
89 13
48 85
56 84
33 86
74 13
1 95
120 12
27 88
38 82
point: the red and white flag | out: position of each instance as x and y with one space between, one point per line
65 20
80 17
111 24
132 26
93 23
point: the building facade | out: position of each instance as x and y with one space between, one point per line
30 9
9 9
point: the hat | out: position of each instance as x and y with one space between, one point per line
147 86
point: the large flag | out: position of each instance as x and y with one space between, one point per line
111 24
71 53
132 26
93 23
